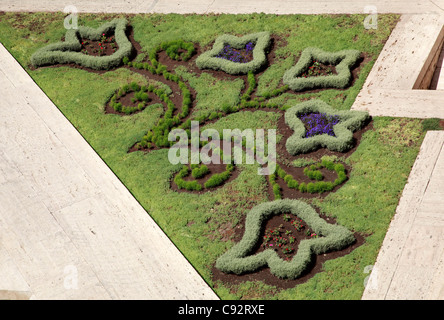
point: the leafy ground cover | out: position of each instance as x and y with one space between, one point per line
206 224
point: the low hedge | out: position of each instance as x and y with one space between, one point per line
219 178
68 51
208 59
350 121
343 61
313 173
140 96
239 260
187 185
197 172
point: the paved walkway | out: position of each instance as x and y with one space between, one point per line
70 233
228 6
393 87
410 264
69 229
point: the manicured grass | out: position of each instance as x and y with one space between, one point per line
196 222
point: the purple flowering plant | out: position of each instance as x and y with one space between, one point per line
241 56
319 123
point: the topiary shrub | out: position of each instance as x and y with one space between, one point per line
199 171
342 140
219 178
209 59
187 185
239 260
68 51
342 60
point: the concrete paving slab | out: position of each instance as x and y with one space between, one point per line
409 264
390 88
69 228
228 6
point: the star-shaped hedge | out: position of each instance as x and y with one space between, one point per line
342 60
209 59
342 140
68 51
238 259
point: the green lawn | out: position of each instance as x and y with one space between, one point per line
365 203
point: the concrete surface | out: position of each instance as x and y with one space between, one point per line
69 229
389 88
228 6
410 264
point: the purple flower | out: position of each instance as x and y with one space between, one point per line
319 123
235 55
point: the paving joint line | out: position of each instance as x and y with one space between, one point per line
436 5
414 217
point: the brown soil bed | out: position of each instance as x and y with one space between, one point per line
278 240
318 69
126 100
105 47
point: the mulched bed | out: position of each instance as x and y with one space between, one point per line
105 47
126 101
318 69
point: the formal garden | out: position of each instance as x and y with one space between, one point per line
305 231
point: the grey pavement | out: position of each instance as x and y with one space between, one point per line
69 229
228 6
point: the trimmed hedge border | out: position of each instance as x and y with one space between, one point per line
140 96
343 61
314 174
342 141
208 60
68 51
237 260
197 171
